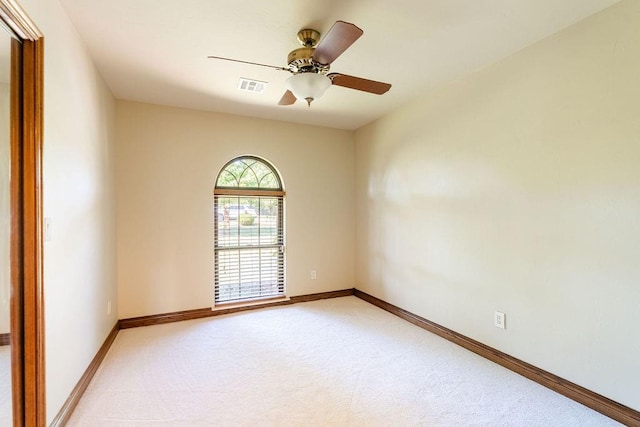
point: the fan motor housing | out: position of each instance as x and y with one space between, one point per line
300 61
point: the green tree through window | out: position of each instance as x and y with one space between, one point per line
248 172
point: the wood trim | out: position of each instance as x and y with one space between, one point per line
27 317
248 193
72 401
258 301
322 295
17 220
597 402
33 310
18 20
199 313
5 339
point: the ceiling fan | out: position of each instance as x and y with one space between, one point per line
310 65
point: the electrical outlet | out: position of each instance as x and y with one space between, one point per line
314 276
499 320
108 307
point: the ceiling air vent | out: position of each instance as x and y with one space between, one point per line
249 85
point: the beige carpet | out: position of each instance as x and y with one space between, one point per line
5 385
333 362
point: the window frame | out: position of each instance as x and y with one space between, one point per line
277 192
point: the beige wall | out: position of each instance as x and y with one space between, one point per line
167 163
79 197
5 212
518 190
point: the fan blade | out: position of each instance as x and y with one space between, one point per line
358 83
250 63
287 99
337 40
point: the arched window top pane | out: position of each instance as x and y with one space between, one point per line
249 172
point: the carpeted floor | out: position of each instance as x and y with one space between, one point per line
332 363
5 385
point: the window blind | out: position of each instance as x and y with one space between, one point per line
248 246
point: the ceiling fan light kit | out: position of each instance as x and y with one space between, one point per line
310 65
308 86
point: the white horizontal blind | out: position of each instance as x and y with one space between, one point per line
249 247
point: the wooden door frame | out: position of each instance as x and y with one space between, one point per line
27 302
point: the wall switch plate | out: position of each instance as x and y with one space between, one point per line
108 307
499 319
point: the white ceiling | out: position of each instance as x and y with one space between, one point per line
156 50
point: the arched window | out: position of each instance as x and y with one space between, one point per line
248 208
